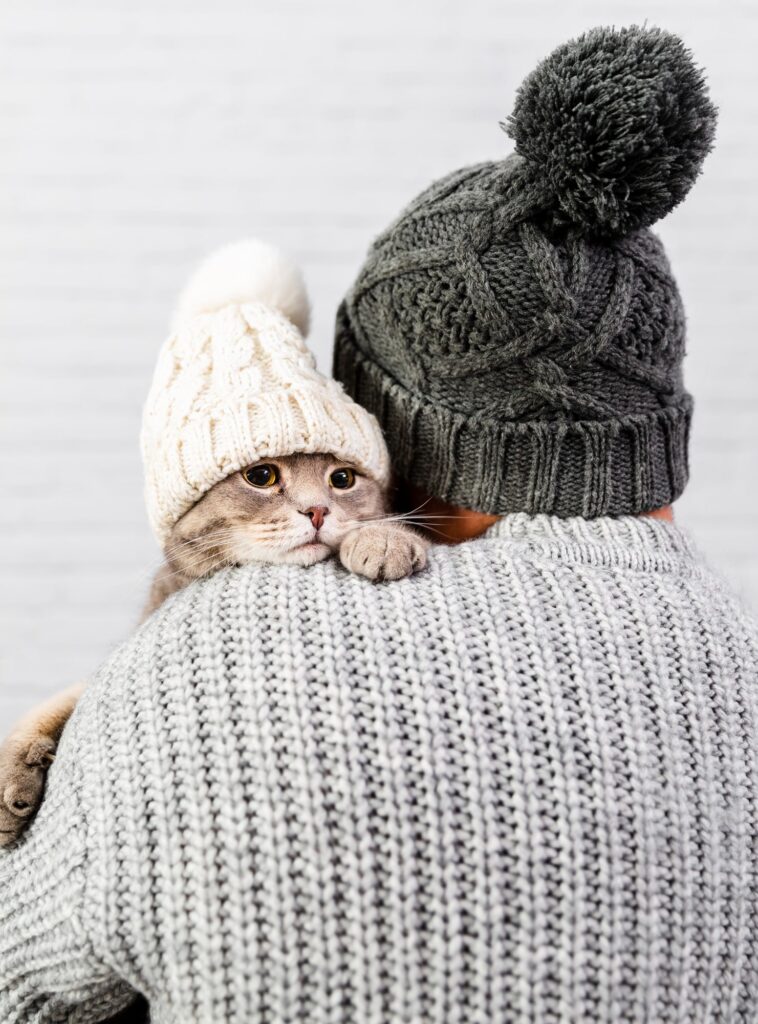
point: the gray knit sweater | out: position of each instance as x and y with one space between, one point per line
521 786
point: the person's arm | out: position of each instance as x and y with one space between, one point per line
50 968
143 861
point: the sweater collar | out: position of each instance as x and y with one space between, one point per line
634 541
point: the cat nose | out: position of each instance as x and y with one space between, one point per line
317 515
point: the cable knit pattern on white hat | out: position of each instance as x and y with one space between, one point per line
235 383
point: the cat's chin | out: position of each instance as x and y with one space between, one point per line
306 554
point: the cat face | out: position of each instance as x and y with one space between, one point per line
295 509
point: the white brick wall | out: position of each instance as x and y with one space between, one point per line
136 135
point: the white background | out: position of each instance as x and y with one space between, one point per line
134 137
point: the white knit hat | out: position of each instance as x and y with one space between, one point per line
235 383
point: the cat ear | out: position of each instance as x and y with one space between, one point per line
247 271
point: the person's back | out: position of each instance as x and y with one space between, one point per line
521 786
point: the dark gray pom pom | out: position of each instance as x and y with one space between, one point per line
614 127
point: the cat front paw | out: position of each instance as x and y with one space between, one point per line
383 551
23 766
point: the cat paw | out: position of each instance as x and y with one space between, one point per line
23 767
383 552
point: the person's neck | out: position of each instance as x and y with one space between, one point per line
451 524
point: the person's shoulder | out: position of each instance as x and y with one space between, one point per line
265 588
255 596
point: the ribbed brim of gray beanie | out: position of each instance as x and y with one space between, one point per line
518 331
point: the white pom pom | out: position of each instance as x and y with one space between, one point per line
249 271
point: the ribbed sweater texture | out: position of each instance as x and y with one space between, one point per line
521 786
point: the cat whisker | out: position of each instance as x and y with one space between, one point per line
196 569
417 508
402 517
433 515
203 562
257 531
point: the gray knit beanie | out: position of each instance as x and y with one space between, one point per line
518 331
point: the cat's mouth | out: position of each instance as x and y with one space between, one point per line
314 539
309 552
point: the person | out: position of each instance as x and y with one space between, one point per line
521 785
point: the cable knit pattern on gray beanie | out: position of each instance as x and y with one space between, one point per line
518 331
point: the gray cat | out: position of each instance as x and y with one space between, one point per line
297 510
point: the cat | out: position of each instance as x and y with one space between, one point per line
295 510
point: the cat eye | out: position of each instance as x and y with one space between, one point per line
341 479
262 476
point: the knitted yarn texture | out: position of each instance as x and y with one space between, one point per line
521 786
235 383
518 331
